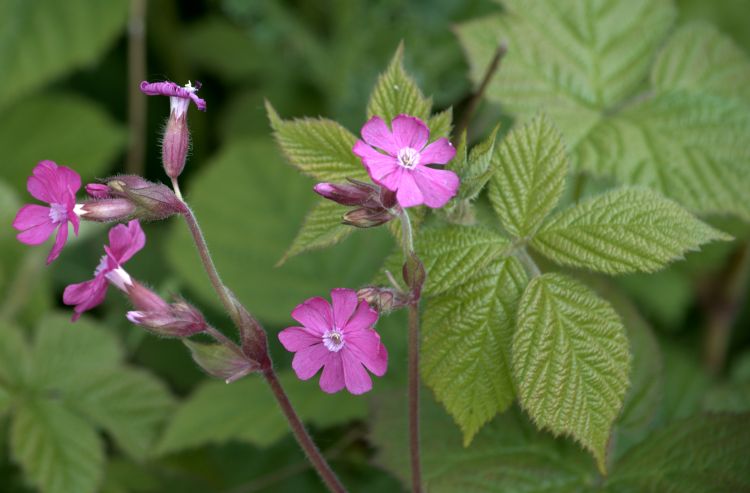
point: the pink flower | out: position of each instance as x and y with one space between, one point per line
340 339
179 96
124 242
403 168
56 185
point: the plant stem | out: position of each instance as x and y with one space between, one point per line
136 100
471 108
531 268
302 436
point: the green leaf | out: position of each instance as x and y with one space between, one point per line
249 215
699 58
685 384
46 39
441 124
696 455
467 335
507 456
397 93
320 148
14 357
626 230
451 255
571 59
322 228
58 450
570 361
475 170
131 405
89 146
220 361
247 411
5 402
530 167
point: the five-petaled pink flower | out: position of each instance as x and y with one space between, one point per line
124 242
56 185
403 168
340 339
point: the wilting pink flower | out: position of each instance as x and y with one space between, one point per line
124 242
56 185
179 96
340 339
402 164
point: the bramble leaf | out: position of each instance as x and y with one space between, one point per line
570 361
322 228
474 169
529 170
626 230
467 336
441 124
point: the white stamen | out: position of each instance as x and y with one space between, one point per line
333 340
408 157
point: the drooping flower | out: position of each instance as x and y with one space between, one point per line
124 242
56 185
340 339
402 166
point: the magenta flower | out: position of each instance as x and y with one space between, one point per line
402 165
340 339
124 242
56 185
179 96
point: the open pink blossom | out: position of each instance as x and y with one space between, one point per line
340 339
56 185
402 165
124 242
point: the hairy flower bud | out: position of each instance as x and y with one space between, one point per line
105 210
97 191
178 319
153 201
353 193
367 218
383 299
175 144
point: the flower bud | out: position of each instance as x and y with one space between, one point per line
104 210
223 361
364 217
144 299
178 319
175 144
383 299
354 193
153 201
97 190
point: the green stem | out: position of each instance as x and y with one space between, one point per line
531 268
471 108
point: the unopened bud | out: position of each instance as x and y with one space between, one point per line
353 193
383 299
153 201
222 361
364 217
104 210
175 144
97 190
179 319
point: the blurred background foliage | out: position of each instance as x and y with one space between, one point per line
64 96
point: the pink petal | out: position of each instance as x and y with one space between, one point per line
52 183
297 338
332 379
35 224
366 347
439 152
68 179
314 314
85 295
125 241
60 239
383 169
410 131
438 186
363 318
344 303
408 193
376 133
355 376
308 361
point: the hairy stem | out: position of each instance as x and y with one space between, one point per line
528 263
302 436
471 107
136 100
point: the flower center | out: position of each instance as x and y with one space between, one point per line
102 266
333 340
58 213
408 157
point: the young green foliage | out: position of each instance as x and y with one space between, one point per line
570 361
475 167
626 230
529 167
466 344
322 228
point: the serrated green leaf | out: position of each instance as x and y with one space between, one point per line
14 357
570 361
129 404
89 146
46 39
571 58
529 170
322 228
697 455
58 450
247 411
397 93
451 255
441 124
626 230
698 57
467 336
475 170
507 456
318 147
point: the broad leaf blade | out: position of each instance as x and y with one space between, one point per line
466 346
570 361
626 230
530 167
322 228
